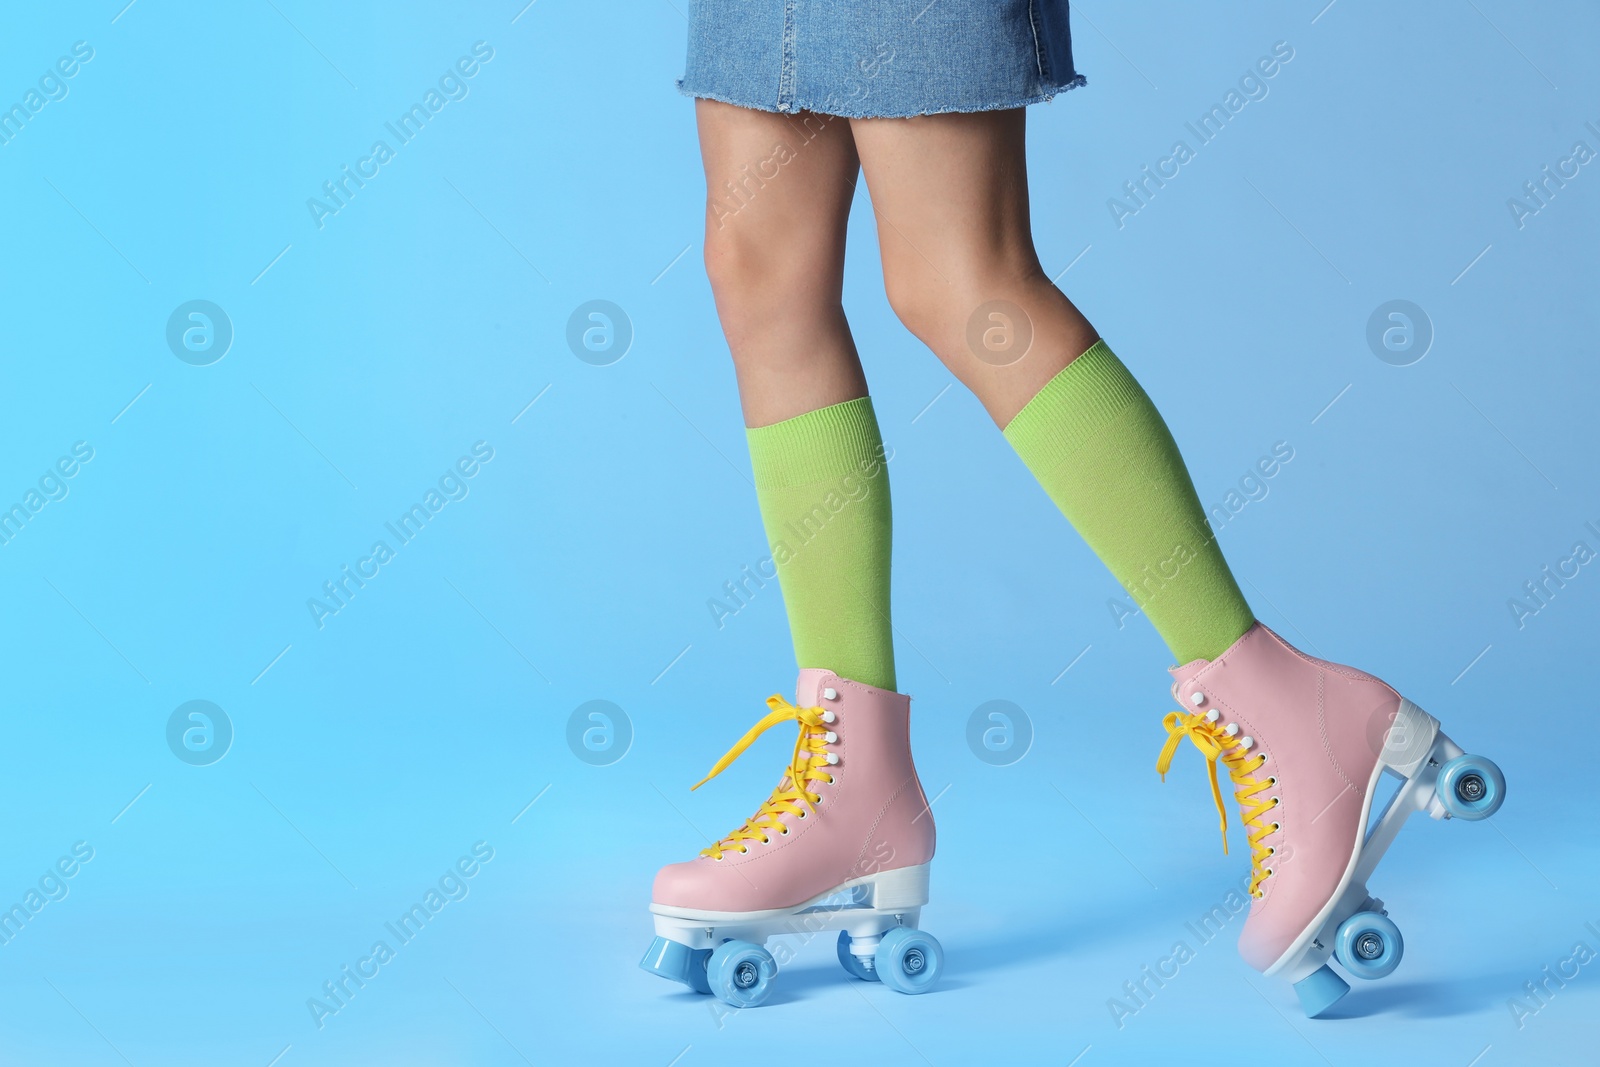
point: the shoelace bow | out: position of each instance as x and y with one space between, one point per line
808 764
1214 742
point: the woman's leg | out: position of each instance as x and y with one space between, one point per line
1302 739
849 810
951 196
778 199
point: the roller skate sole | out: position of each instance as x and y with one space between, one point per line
723 952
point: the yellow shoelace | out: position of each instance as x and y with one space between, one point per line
1214 742
793 795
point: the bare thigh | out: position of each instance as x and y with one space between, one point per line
951 197
778 192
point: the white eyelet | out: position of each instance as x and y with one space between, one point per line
1272 779
784 832
1197 698
830 693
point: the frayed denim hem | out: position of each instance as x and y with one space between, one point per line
1044 97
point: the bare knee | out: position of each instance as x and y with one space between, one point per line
777 289
917 304
984 303
771 283
743 273
1003 330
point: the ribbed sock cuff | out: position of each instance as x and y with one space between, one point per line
1072 408
818 446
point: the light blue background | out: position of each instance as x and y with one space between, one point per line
428 313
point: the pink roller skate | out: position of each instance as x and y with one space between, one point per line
844 843
1305 742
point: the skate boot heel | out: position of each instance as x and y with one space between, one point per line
905 889
1409 740
1453 784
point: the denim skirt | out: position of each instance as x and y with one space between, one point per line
878 58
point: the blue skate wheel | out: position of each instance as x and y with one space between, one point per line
908 961
1320 990
741 973
1368 945
1471 787
677 962
851 962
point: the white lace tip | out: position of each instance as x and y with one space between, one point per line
827 716
1232 729
833 758
830 737
1246 741
1197 697
1213 715
830 693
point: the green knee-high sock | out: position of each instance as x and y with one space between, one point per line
823 487
1103 453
